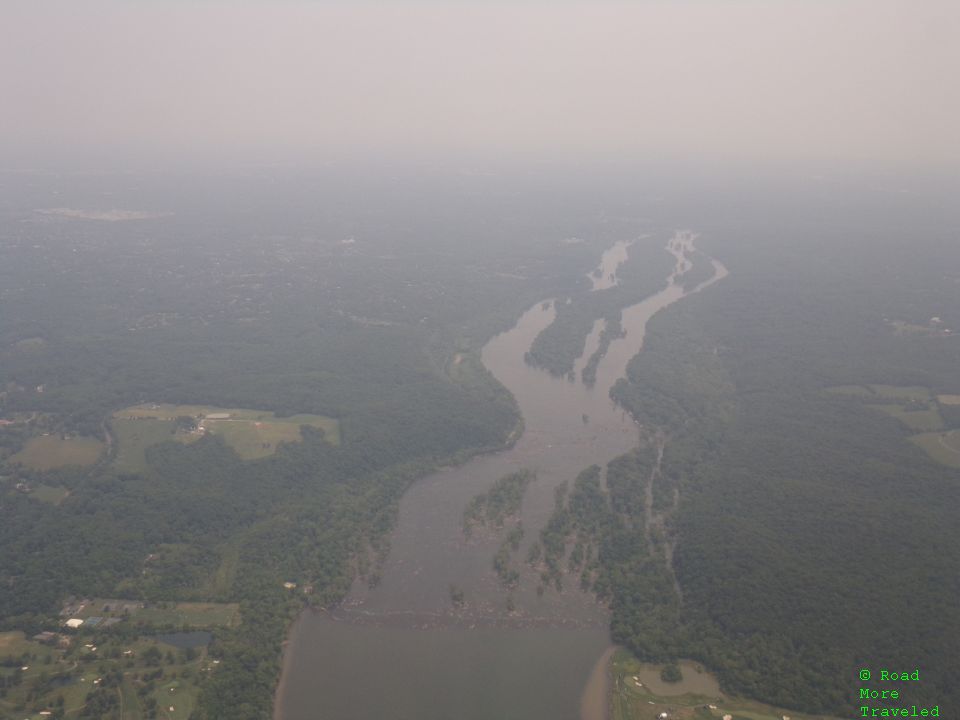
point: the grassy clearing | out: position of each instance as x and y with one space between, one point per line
901 392
892 393
49 494
948 399
690 699
251 433
13 643
922 420
190 614
193 614
857 390
51 451
133 437
944 447
182 697
914 406
132 709
222 580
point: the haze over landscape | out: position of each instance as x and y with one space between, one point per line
550 361
733 81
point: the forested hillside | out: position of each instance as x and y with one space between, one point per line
811 537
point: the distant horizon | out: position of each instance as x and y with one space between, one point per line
730 83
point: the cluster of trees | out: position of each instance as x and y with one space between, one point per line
506 572
500 502
606 531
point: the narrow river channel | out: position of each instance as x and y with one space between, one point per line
402 650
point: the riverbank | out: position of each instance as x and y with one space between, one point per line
500 652
289 651
595 703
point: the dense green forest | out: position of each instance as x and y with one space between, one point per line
810 536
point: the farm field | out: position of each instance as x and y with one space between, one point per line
696 697
190 614
922 420
251 433
193 614
890 393
133 437
51 451
914 406
944 447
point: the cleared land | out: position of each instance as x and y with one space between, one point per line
914 406
635 688
13 643
893 393
49 494
51 451
189 614
251 433
944 447
193 614
133 437
915 419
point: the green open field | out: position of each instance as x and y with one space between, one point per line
15 643
133 437
914 406
857 390
901 392
50 451
191 614
944 447
49 494
251 433
921 420
893 393
690 699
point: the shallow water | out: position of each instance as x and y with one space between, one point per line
402 649
605 275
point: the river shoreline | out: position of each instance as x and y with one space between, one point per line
285 663
595 703
525 653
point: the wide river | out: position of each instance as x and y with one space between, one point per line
402 650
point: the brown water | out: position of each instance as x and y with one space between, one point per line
402 649
609 263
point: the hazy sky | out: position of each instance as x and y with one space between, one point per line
726 79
